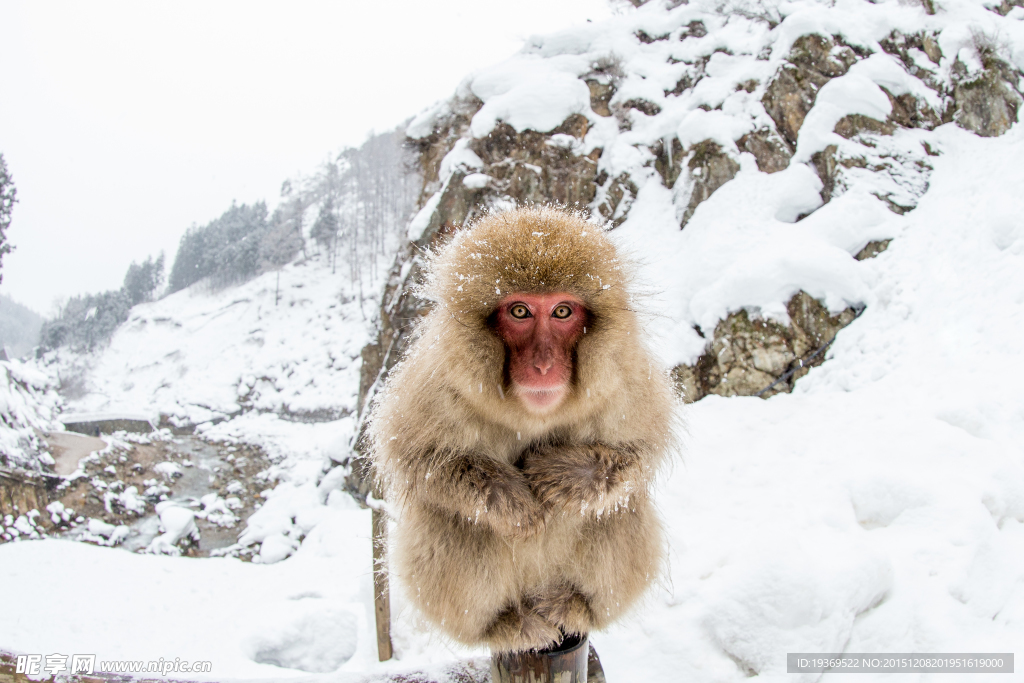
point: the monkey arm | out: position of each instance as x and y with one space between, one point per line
479 489
591 478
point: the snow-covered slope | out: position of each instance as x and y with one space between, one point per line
29 404
273 362
684 93
285 343
880 507
877 508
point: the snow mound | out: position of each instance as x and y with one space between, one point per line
310 634
177 524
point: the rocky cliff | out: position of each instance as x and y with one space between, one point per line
643 121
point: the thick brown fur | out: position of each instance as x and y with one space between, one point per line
516 527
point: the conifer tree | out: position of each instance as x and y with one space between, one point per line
8 196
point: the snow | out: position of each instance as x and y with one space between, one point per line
289 346
461 157
422 124
176 523
302 614
700 125
849 94
167 468
29 404
421 220
880 507
475 181
99 532
524 100
877 508
129 499
219 510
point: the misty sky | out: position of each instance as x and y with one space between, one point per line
124 123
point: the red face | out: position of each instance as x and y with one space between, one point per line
540 332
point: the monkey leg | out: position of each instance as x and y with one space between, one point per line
521 626
566 607
468 581
617 557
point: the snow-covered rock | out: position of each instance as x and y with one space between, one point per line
177 524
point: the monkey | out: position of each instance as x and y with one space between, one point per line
519 436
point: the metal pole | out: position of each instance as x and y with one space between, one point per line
565 663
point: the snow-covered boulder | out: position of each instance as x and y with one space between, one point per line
178 527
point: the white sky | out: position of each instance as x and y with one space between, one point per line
123 123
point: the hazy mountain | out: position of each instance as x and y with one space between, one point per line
19 327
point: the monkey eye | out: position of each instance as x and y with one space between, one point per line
519 311
562 311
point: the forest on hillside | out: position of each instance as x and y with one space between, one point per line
354 206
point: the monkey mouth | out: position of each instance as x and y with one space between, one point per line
540 400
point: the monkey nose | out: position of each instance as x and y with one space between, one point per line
544 363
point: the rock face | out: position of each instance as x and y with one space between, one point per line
614 198
987 101
537 167
709 168
769 149
982 97
872 249
813 62
465 175
22 491
694 174
747 356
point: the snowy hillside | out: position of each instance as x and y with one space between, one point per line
743 152
734 122
29 404
285 344
880 507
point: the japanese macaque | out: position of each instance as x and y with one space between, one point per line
519 437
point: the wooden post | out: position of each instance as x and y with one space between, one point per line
381 595
566 663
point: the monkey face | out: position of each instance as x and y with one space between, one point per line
540 332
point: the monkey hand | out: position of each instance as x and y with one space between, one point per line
503 499
589 478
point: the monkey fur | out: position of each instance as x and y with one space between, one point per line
516 528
